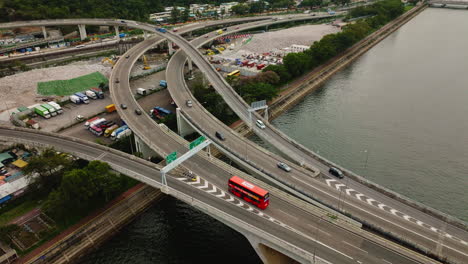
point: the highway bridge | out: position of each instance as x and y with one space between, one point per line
160 140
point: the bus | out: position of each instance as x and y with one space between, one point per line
249 192
97 131
234 73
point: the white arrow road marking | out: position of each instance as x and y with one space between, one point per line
348 191
221 194
212 190
359 195
434 229
393 211
448 235
381 206
250 209
407 217
419 223
370 200
230 199
204 186
181 179
329 181
338 186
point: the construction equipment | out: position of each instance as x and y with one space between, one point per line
145 63
108 60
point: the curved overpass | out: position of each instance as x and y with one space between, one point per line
165 142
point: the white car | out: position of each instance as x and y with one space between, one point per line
260 124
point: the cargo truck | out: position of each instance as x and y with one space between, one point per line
125 133
91 94
75 99
141 91
162 30
57 107
159 112
163 83
49 108
98 92
84 99
42 112
117 131
96 122
109 130
110 108
89 121
219 32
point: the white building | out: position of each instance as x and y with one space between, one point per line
298 48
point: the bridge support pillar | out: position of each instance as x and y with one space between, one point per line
171 49
82 29
145 34
144 149
267 254
44 32
183 127
117 33
190 65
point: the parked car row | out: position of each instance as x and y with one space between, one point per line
102 127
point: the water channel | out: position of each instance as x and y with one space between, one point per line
398 115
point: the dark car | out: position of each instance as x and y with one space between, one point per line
336 172
123 106
220 135
128 56
225 29
138 111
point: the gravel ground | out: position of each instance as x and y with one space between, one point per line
20 89
269 41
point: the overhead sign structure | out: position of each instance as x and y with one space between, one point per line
197 142
171 157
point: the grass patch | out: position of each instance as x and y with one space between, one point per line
68 87
17 211
408 8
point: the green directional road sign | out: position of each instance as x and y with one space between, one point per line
171 157
197 142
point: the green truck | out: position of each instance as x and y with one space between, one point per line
50 108
42 111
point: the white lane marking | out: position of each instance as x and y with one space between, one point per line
387 261
419 223
448 235
381 218
355 247
230 199
329 181
250 209
204 186
359 195
101 156
181 179
434 229
348 191
464 242
370 200
381 206
393 211
407 217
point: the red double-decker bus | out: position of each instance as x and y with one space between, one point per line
249 192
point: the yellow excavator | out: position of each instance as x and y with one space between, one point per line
145 63
108 60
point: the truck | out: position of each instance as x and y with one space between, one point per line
98 92
159 112
42 112
116 132
110 108
141 91
96 122
97 131
260 66
163 83
109 130
57 107
75 99
162 30
331 12
49 108
219 32
126 132
84 99
91 94
89 121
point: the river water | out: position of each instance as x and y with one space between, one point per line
398 115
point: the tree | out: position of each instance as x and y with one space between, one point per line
311 3
281 71
186 14
45 171
240 9
175 15
257 7
296 63
257 91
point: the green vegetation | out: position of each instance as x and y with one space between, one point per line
255 88
68 87
17 211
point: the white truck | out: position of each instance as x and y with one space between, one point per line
91 94
126 132
75 99
57 107
141 91
97 121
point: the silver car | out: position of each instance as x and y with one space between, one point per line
284 166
